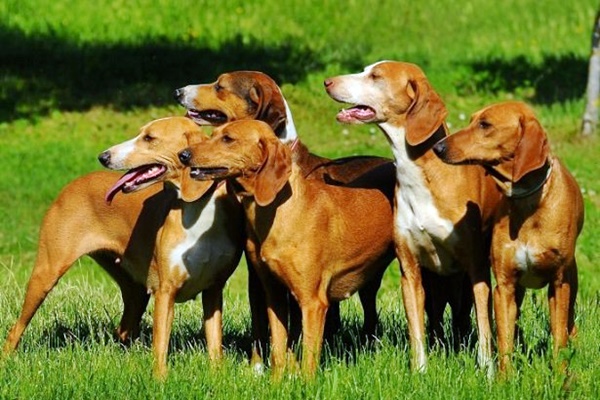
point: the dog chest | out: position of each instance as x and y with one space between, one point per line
205 251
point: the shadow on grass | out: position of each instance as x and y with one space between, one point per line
40 74
554 79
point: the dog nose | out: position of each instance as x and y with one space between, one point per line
440 148
104 158
185 156
178 94
328 82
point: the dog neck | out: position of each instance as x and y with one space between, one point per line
526 186
289 133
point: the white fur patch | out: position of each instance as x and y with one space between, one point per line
120 152
525 261
418 219
205 247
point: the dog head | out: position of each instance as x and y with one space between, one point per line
391 92
236 96
151 157
247 151
507 136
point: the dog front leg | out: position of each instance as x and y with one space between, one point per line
506 311
163 320
277 312
413 296
313 326
212 304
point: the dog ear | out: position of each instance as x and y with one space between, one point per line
274 173
532 150
426 113
195 136
192 189
271 107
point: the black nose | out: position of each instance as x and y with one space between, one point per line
178 94
328 82
185 156
104 158
440 148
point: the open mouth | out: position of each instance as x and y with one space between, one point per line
357 114
207 117
135 179
204 174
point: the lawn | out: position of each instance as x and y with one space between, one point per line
77 77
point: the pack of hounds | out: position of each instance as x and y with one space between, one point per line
453 209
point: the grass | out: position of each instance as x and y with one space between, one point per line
77 77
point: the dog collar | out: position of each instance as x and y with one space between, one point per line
525 187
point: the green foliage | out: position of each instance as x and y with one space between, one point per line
77 77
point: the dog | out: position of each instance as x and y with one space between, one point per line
443 215
301 237
538 222
242 95
174 243
200 243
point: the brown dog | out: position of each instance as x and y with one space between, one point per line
538 222
301 237
149 240
443 215
253 95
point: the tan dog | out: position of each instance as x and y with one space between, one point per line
443 215
301 237
149 240
200 243
253 95
538 223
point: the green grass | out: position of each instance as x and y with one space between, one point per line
77 77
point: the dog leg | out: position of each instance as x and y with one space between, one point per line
368 300
212 304
313 325
560 297
259 319
50 266
163 320
135 297
277 311
413 296
434 286
505 309
483 312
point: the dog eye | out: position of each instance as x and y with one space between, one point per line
226 139
374 76
218 87
484 124
148 138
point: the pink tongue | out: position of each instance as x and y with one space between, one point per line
355 113
116 188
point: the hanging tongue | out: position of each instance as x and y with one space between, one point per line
133 178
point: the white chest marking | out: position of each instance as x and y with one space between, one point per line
417 218
204 248
525 261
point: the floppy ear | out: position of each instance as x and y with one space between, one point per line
194 137
426 113
192 189
274 173
532 150
271 108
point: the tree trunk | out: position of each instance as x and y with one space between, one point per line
590 116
